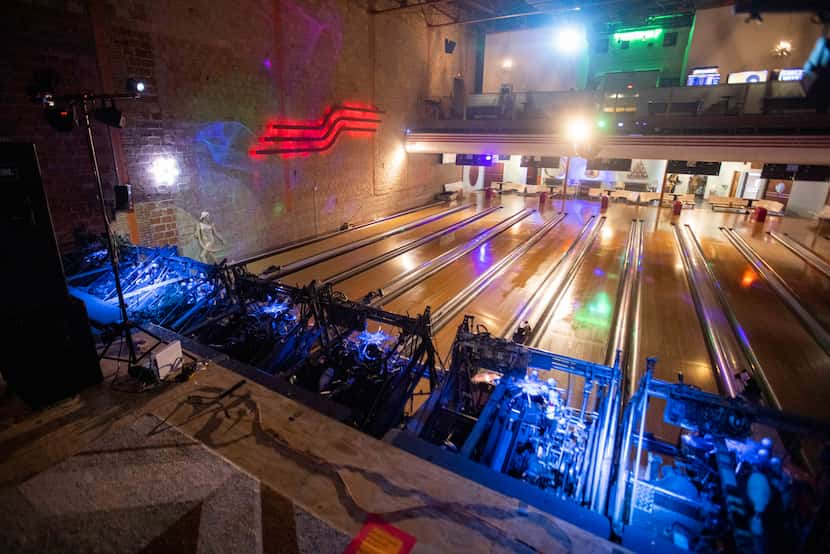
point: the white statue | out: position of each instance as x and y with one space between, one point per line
209 239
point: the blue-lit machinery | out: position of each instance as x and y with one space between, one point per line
546 419
702 473
682 470
159 286
310 336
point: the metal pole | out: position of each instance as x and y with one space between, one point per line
663 186
565 182
110 246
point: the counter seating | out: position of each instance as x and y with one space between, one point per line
728 203
507 186
648 197
773 207
629 195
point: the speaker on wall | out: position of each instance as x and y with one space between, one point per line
449 46
47 344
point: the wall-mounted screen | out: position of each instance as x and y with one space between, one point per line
693 168
794 74
474 159
536 161
702 76
609 164
748 77
796 171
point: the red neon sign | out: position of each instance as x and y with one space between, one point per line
292 137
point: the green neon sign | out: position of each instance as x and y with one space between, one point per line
645 34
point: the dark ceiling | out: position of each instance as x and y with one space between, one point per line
495 15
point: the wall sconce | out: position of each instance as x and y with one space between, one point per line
507 64
165 170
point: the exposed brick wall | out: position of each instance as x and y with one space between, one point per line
34 37
217 71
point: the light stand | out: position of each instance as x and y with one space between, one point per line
86 102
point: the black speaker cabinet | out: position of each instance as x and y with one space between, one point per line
46 348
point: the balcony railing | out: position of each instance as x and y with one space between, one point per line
778 107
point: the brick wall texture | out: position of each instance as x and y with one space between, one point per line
217 71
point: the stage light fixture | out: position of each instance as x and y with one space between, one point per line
570 39
61 118
165 170
111 116
135 86
578 130
783 48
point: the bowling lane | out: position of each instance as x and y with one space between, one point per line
508 294
439 288
340 263
582 320
796 367
259 266
669 327
360 284
810 285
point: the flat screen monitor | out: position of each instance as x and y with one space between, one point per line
703 76
794 74
748 77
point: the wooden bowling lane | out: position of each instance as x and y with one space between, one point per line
796 367
439 288
669 326
359 285
810 285
582 320
335 265
507 294
295 254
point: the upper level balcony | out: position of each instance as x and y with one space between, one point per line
774 107
770 121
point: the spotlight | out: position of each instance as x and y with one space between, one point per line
165 170
61 118
110 115
783 48
135 86
449 46
570 39
507 63
620 124
578 130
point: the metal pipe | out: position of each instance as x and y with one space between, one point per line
299 265
723 348
781 288
377 260
803 252
625 325
544 286
324 236
401 284
450 308
754 364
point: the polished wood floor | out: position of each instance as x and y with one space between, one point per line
797 367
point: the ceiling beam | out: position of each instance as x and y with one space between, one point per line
406 6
